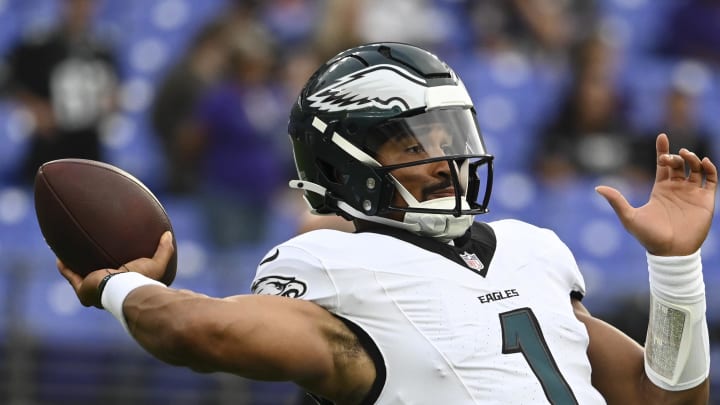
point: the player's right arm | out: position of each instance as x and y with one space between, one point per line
255 336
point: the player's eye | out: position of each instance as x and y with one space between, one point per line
415 149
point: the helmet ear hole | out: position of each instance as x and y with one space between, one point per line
328 171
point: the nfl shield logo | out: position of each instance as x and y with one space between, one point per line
472 261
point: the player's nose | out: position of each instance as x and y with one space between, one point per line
440 168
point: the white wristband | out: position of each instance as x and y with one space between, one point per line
677 349
117 288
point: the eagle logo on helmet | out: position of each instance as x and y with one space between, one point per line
384 87
278 285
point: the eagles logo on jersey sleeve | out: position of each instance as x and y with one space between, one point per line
292 272
279 285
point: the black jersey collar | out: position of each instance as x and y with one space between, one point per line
479 241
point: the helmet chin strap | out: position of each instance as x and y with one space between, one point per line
444 227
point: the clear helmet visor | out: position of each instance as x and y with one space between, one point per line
439 133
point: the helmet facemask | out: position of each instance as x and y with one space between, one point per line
446 141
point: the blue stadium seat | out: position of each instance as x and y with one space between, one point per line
195 250
610 258
645 81
709 106
9 28
20 235
643 20
513 98
53 313
137 152
648 79
166 384
12 141
75 373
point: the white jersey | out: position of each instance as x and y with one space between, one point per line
487 321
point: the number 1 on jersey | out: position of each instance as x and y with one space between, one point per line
521 333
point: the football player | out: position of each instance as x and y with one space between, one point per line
423 304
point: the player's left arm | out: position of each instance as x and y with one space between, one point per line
618 368
672 226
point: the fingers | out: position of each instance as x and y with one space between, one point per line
662 148
674 166
692 161
685 165
86 291
662 144
154 267
618 202
711 174
73 278
165 248
86 287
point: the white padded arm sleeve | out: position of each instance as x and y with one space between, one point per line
677 349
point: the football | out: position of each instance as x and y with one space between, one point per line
94 215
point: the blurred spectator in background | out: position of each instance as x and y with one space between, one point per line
243 165
337 29
682 122
175 101
422 22
679 120
66 79
534 27
243 20
296 66
694 31
292 22
591 134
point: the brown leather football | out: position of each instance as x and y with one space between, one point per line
94 215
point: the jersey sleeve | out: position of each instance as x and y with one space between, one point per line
545 245
291 271
565 261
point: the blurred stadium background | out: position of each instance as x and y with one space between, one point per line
53 351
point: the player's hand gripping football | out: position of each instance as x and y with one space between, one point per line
86 288
676 219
